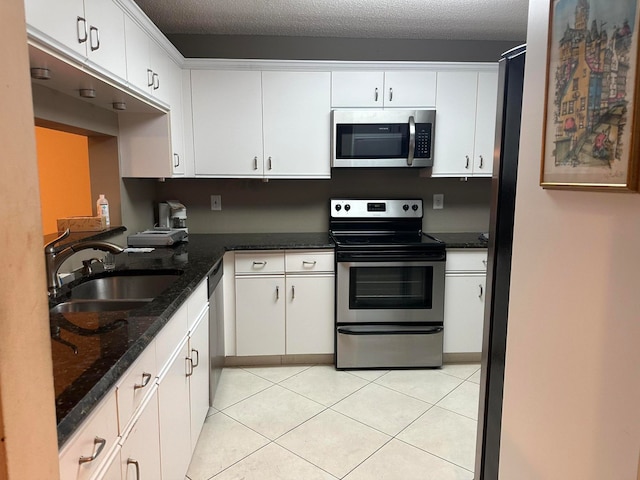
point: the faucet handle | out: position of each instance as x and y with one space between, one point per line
49 247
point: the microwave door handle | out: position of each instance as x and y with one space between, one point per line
412 140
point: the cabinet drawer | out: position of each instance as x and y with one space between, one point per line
135 384
309 261
170 337
197 302
466 260
260 263
102 425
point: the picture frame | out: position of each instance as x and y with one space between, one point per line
591 133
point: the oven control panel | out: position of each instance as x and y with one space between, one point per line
358 208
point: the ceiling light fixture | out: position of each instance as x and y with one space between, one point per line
119 106
87 93
41 73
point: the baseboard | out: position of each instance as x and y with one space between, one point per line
461 357
273 360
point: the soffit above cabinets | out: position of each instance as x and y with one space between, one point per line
405 19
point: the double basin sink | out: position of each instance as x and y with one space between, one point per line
117 292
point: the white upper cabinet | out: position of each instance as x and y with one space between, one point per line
401 89
227 123
296 124
465 123
261 124
93 30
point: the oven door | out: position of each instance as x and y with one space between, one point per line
398 291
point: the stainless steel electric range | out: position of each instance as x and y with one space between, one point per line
389 285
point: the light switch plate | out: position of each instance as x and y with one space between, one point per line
216 202
438 201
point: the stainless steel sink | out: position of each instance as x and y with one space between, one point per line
124 287
98 305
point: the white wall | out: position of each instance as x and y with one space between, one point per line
572 382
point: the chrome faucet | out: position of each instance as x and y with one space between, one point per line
54 259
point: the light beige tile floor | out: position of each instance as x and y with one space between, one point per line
313 422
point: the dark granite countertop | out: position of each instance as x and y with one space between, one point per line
461 239
109 342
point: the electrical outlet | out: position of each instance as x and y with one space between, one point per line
216 202
438 201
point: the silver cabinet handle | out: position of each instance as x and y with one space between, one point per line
269 163
307 262
484 262
135 463
412 140
390 94
481 291
293 292
260 264
177 160
376 95
189 366
467 165
81 32
100 442
193 350
94 30
149 77
146 378
156 81
481 161
277 293
255 163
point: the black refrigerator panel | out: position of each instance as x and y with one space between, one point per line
503 199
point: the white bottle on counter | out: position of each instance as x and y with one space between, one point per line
102 209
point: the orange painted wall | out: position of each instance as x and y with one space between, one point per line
63 166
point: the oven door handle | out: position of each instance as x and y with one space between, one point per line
387 256
391 331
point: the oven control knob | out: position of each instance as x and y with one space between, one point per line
338 207
347 207
405 207
414 207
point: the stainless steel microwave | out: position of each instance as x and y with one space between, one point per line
382 138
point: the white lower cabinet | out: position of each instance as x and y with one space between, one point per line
147 427
288 308
464 299
140 453
175 424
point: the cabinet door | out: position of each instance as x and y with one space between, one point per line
173 405
260 323
296 124
357 89
310 314
61 23
199 378
112 471
409 89
485 124
106 43
160 64
172 77
464 313
139 73
140 454
227 123
455 124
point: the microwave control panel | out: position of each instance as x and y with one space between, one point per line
423 140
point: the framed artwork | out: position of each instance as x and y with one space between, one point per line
591 132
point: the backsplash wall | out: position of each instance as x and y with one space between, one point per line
303 205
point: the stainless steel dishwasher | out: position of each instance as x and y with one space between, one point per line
216 328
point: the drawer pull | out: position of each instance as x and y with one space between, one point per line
307 262
481 291
259 264
189 364
146 377
193 350
293 292
484 262
135 463
277 293
100 442
467 164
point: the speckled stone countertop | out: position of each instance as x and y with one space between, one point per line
109 342
461 239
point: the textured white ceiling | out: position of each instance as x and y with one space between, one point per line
415 19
